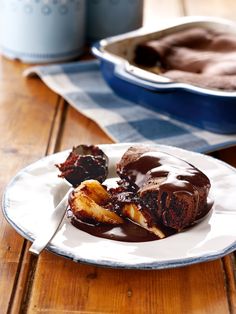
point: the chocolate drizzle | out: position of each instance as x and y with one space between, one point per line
181 188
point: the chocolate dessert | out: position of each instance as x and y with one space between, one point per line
197 56
171 191
157 195
84 163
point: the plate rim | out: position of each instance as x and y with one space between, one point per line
113 264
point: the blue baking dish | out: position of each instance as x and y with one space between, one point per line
209 109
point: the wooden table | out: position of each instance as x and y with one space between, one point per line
35 122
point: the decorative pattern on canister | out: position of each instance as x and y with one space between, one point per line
42 30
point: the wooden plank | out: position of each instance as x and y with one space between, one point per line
87 289
230 272
29 261
225 9
24 282
26 111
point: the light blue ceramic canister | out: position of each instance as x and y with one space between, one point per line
37 31
112 17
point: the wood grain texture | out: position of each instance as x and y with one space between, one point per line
25 121
230 273
26 271
89 289
19 301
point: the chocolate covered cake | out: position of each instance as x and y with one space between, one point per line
172 191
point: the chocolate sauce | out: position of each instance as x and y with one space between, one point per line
167 173
178 173
175 180
127 232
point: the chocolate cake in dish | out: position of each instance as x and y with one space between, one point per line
197 55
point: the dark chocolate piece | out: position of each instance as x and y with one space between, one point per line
84 163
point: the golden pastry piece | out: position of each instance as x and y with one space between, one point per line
86 204
134 214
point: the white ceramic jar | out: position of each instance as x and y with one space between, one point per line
112 17
36 31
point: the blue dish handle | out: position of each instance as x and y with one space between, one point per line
143 78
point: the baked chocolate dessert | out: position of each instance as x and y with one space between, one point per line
198 56
158 193
170 190
84 163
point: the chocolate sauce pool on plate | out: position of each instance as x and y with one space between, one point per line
126 232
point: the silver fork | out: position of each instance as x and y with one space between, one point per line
51 226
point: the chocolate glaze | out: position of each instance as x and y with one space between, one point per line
174 180
179 175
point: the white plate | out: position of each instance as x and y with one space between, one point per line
35 190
